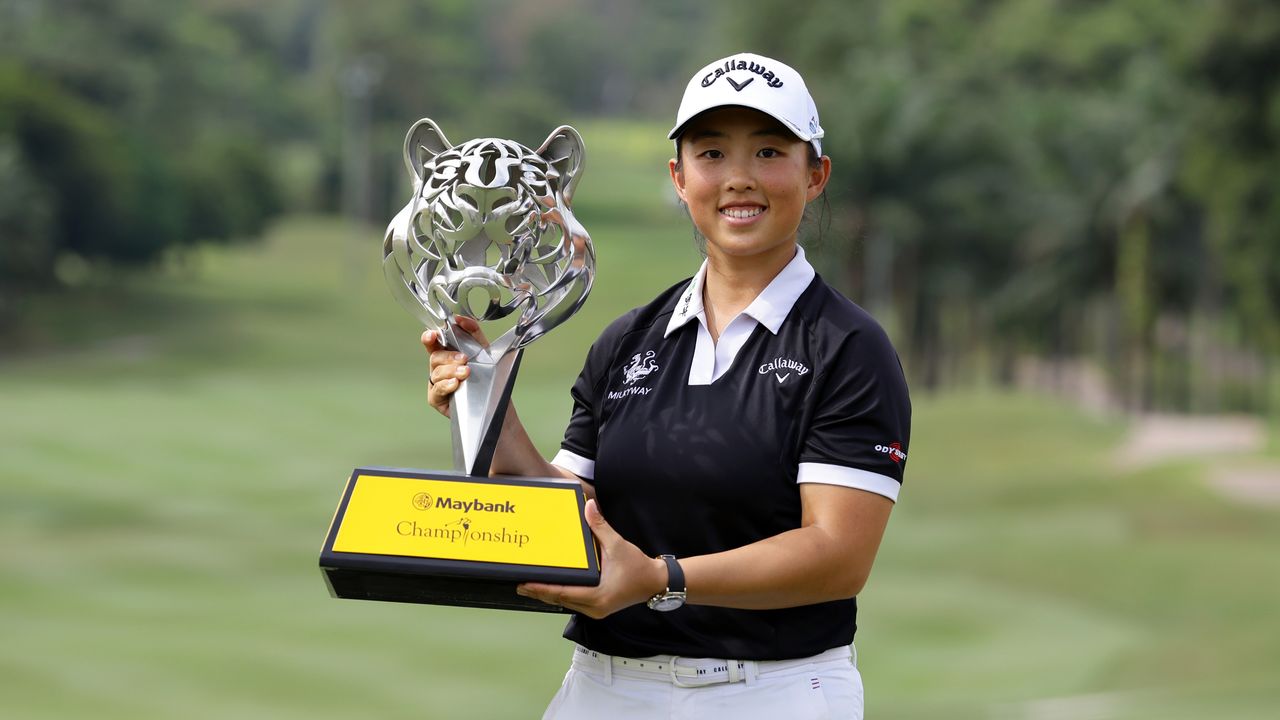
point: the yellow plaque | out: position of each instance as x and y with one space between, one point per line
463 520
452 539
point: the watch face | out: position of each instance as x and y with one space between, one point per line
666 603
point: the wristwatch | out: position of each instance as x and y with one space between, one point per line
674 595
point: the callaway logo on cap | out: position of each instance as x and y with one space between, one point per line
756 82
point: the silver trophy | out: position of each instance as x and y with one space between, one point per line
489 234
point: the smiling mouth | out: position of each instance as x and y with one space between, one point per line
742 213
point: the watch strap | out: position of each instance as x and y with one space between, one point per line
675 574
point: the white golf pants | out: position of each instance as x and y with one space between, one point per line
599 686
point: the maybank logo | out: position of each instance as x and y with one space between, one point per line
423 501
476 505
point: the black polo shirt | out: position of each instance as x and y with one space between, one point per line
697 448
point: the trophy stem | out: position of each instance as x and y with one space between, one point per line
477 411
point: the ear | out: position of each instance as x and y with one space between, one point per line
818 178
677 179
564 151
424 141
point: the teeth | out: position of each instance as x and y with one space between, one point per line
741 213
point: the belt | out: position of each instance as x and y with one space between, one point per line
698 672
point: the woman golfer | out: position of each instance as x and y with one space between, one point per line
743 438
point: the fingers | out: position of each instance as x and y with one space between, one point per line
431 341
565 596
440 355
448 370
627 575
472 327
549 594
603 531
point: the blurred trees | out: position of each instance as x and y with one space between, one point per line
129 128
1064 179
494 68
1016 177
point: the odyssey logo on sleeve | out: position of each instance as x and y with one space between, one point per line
893 450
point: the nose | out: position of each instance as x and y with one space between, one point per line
739 176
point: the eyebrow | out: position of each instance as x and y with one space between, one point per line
703 134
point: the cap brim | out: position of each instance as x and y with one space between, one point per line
679 128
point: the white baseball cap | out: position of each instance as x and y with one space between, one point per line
756 82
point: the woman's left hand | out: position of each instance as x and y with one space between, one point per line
627 575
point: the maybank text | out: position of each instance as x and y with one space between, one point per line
476 505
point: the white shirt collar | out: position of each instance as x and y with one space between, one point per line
769 308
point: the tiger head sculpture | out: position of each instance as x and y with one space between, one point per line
489 234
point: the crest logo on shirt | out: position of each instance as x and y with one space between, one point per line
642 365
783 368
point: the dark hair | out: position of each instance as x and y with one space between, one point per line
824 215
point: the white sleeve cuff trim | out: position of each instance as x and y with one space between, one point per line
849 477
576 464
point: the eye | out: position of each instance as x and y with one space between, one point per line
711 154
769 153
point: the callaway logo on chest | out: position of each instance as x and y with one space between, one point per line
783 368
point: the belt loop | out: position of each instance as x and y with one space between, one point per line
853 648
597 662
752 672
671 672
735 670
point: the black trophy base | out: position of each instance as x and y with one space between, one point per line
431 590
429 537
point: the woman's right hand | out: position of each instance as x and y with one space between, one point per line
448 370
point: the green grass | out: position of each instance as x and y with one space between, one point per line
1021 566
172 450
